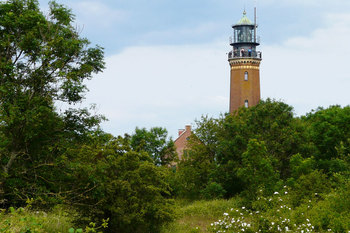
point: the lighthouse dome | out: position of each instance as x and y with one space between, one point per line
244 20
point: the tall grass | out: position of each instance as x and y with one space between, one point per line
196 216
25 220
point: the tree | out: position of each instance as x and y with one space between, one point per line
42 61
222 150
330 132
257 171
195 173
122 185
269 121
155 143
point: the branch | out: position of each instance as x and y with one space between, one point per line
13 156
17 57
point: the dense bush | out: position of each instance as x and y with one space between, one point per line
123 185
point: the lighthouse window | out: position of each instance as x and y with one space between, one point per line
246 104
246 76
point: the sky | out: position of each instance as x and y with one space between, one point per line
166 61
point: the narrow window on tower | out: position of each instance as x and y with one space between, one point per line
246 104
246 76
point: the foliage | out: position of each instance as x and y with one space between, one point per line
27 220
205 138
333 211
307 185
300 166
123 185
155 143
276 214
63 157
271 122
257 171
56 156
42 61
192 175
330 132
213 190
242 151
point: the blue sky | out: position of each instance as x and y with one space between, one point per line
167 63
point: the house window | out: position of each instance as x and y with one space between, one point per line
246 104
246 76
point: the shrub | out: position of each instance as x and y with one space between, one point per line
213 191
126 187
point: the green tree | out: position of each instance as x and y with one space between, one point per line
219 148
43 60
269 121
155 142
330 132
197 168
257 171
121 184
205 137
300 166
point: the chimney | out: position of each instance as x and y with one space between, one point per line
181 131
188 128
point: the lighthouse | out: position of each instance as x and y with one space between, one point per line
244 62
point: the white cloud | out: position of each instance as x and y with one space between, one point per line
312 71
162 86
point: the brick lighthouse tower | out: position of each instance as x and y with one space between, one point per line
244 61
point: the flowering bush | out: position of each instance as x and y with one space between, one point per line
268 214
